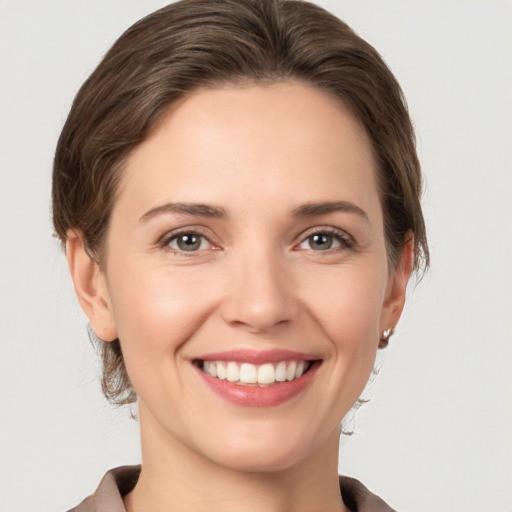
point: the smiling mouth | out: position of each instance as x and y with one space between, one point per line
262 375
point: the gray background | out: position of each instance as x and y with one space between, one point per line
437 432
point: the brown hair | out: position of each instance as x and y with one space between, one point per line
200 43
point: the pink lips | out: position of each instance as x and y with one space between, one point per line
258 357
256 396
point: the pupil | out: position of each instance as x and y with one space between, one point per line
321 242
189 242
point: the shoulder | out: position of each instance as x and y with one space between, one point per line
108 497
359 499
118 482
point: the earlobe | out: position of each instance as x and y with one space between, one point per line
395 294
90 287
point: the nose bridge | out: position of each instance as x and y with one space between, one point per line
259 289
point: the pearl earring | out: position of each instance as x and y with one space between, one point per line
384 339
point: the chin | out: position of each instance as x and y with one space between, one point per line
253 461
268 450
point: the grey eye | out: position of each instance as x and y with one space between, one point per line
188 242
320 242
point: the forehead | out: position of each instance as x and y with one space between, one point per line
278 144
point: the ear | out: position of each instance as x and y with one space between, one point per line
90 287
397 284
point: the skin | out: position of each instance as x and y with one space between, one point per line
256 282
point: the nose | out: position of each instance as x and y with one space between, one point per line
259 294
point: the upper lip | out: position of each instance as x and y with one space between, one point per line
258 357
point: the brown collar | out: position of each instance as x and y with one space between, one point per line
120 481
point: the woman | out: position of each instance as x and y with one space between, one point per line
238 191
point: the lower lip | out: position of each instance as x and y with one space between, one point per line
255 396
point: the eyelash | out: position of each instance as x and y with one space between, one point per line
165 241
345 240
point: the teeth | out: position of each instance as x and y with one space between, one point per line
300 370
247 373
290 372
221 370
232 372
266 374
281 372
212 369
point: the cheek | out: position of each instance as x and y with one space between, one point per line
350 318
349 305
157 309
349 315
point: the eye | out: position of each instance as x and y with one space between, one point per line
325 240
188 242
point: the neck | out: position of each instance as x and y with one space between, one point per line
175 477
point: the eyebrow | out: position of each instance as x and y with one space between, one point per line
323 208
305 210
203 210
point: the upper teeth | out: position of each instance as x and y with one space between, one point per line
247 373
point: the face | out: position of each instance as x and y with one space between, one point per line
246 274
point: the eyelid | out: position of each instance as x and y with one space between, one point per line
164 240
344 237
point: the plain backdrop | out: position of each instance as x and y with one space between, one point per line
436 434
